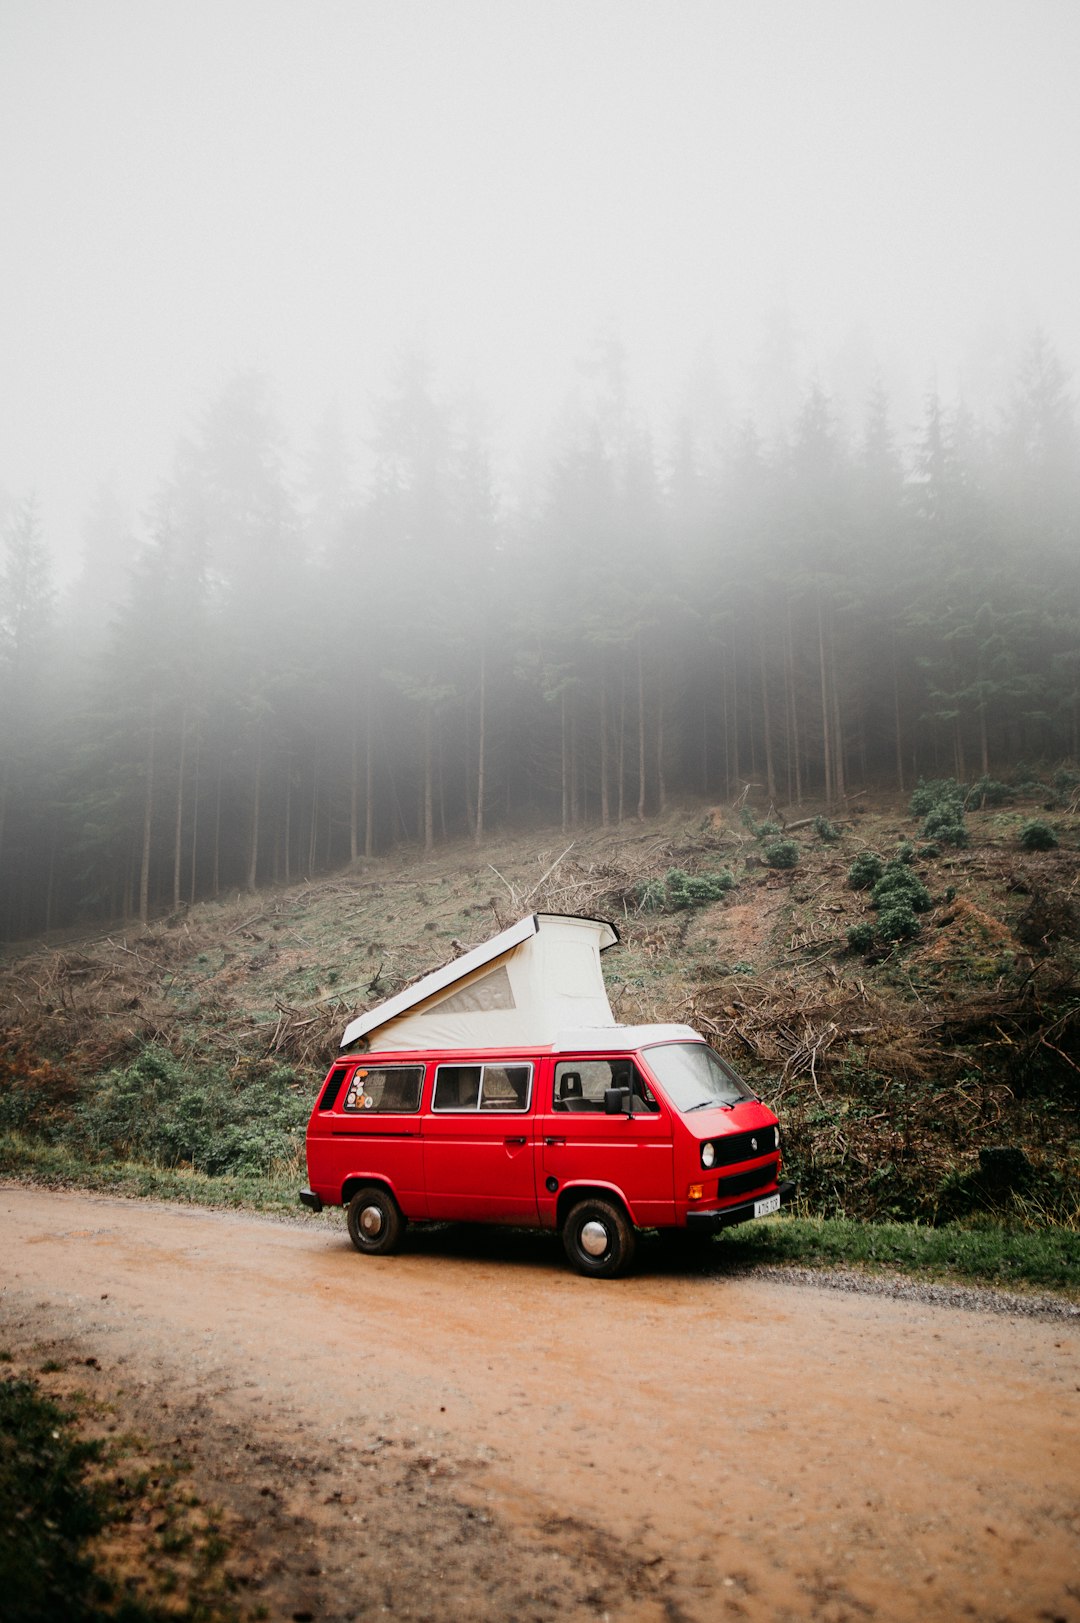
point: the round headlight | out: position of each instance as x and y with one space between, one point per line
708 1154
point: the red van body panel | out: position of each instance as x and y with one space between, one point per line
519 1136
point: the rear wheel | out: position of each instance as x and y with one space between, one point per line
375 1221
598 1239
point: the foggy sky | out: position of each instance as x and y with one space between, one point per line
191 186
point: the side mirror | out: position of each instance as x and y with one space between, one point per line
616 1101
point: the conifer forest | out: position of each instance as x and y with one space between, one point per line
287 669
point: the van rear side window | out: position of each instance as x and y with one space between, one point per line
482 1087
333 1087
387 1088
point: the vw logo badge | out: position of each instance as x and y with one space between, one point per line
753 1143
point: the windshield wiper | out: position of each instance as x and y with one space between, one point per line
717 1104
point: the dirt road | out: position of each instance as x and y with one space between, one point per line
468 1430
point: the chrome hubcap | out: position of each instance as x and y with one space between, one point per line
594 1239
371 1221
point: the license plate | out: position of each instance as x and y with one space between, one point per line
771 1203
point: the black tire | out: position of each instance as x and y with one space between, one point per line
598 1239
375 1221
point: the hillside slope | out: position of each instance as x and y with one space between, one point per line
927 1077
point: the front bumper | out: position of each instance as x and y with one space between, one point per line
308 1197
713 1222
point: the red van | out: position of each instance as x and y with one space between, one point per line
644 1127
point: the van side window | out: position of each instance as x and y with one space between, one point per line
505 1087
385 1088
482 1087
457 1087
580 1084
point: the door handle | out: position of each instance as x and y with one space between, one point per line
521 1140
554 1141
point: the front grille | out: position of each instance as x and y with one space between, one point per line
741 1183
734 1147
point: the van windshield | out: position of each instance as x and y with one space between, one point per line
693 1076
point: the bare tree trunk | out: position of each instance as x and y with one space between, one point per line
984 741
794 740
605 799
313 823
288 821
575 764
369 787
826 730
148 823
195 810
641 732
354 796
49 886
481 741
766 713
429 800
896 722
622 739
726 717
839 770
179 831
661 780
4 769
253 853
736 763
564 764
217 832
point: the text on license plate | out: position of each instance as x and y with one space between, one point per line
771 1203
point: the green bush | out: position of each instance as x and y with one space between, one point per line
860 937
865 871
900 886
936 792
945 824
988 792
679 889
781 854
826 831
897 922
161 1110
1037 836
695 890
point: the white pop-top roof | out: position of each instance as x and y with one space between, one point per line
528 985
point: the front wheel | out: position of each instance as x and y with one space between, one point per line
598 1239
375 1221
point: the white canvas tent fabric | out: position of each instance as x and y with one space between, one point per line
518 989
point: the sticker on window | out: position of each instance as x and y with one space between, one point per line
385 1089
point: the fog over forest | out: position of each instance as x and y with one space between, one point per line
422 420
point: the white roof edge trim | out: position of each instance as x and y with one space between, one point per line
439 979
622 1037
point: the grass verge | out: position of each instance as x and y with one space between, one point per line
59 1168
984 1253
